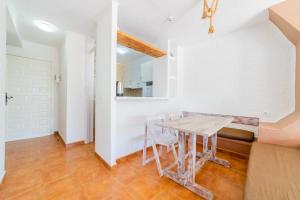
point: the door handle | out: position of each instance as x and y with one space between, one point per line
7 98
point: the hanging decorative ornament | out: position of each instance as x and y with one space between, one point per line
209 12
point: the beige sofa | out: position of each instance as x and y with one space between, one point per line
273 173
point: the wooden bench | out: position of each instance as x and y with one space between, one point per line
235 139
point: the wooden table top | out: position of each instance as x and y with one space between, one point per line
199 124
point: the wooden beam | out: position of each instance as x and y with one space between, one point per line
139 45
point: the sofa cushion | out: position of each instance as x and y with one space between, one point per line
273 173
236 134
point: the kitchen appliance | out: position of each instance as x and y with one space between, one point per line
148 89
120 89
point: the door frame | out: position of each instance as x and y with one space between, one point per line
90 91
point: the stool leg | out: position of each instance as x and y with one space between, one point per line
160 171
145 146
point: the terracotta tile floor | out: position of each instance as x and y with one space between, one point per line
42 169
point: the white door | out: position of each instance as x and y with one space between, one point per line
29 110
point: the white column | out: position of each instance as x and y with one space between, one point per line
76 93
105 85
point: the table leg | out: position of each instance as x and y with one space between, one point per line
187 179
214 139
205 144
192 158
181 153
191 173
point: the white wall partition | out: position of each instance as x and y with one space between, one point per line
76 94
106 83
73 102
130 122
2 85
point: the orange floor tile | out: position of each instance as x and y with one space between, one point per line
42 169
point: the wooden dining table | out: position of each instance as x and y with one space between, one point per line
207 127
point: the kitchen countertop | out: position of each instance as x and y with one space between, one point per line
141 98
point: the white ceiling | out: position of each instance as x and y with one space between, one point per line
12 35
148 18
231 15
67 15
143 18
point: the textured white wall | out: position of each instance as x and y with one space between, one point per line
106 83
248 72
2 85
45 53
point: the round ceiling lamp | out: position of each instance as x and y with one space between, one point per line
45 26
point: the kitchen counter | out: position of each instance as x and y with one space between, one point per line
142 98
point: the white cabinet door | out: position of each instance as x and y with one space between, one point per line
29 112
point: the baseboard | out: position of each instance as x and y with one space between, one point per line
70 145
74 144
133 154
2 176
27 138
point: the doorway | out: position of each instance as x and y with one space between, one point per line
29 108
90 88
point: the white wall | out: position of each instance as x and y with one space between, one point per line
133 71
45 53
62 114
73 108
248 72
76 94
131 118
2 85
160 77
106 83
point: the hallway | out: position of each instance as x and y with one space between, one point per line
41 168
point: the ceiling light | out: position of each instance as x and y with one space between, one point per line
45 26
121 50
